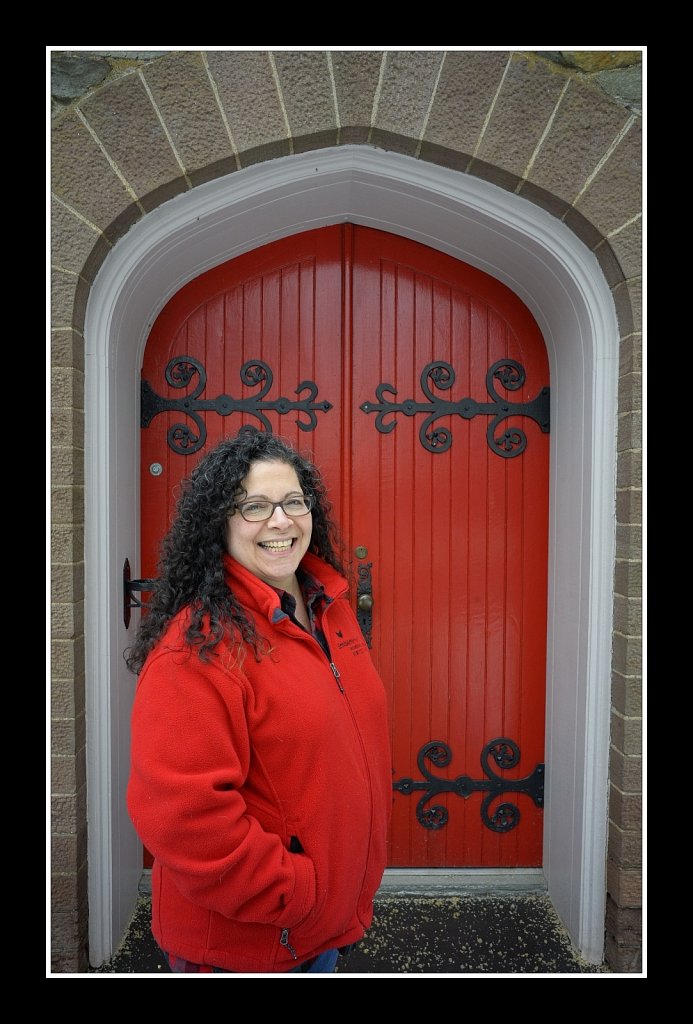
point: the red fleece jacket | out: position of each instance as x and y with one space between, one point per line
263 792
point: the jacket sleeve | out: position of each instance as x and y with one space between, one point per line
189 758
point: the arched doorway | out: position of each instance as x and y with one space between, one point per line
561 283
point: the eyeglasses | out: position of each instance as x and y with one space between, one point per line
257 511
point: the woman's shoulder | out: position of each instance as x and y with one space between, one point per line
182 646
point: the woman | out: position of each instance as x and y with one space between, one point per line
260 774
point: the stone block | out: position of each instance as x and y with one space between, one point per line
443 156
67 349
614 196
546 200
68 773
624 922
628 579
124 119
68 852
629 431
67 620
65 930
626 243
627 657
67 387
68 300
67 506
67 466
67 657
628 540
630 354
406 91
67 427
625 771
218 169
625 810
584 126
104 243
629 506
67 890
73 74
494 174
622 958
467 85
601 60
71 239
630 392
68 812
67 543
626 733
627 616
393 142
623 84
625 848
67 582
608 261
585 230
68 735
68 697
317 141
306 91
629 469
355 74
523 108
248 93
82 176
184 97
624 885
626 694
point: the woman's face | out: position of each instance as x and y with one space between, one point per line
273 548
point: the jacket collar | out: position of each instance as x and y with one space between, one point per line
255 593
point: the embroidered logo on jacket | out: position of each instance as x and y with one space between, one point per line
357 645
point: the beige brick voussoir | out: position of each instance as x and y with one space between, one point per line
184 97
82 176
126 123
249 97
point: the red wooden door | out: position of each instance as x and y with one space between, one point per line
348 341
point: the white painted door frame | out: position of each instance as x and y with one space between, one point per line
559 280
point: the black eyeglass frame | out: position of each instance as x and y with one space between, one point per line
309 501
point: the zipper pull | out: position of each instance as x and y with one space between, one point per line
284 940
335 673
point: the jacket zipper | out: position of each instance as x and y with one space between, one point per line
284 940
335 673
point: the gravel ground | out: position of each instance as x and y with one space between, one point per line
510 934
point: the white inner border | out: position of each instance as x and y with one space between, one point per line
561 282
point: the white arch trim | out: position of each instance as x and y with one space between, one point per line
559 280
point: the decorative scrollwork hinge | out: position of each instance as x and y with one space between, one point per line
505 753
508 445
181 370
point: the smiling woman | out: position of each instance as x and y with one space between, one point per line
247 875
269 534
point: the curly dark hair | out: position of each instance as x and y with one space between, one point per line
191 569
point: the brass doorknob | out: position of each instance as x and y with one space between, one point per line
365 602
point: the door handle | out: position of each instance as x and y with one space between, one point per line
364 601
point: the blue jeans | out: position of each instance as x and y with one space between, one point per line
325 963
